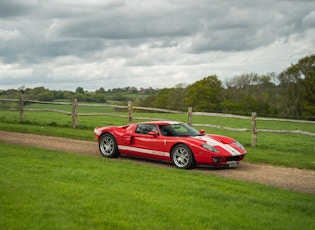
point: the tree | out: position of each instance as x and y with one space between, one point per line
39 93
100 90
250 92
79 90
297 86
176 96
204 95
161 98
148 101
244 81
307 70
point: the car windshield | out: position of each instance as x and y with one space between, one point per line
178 129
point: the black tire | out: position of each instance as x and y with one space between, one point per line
182 157
108 146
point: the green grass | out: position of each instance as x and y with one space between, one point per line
292 150
44 189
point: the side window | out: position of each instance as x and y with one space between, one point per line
146 128
180 129
166 130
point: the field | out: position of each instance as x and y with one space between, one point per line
293 150
56 190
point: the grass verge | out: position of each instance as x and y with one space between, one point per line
55 190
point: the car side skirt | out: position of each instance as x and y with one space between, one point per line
123 148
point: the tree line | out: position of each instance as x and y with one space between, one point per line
290 94
99 96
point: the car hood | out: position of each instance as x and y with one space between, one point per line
220 143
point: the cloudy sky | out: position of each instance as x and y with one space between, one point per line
64 44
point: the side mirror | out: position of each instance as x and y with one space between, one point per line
152 133
202 131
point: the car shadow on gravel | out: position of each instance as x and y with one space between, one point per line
170 165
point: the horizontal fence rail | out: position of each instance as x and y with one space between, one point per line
129 115
286 131
50 110
222 127
248 117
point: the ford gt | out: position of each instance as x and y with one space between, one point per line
169 141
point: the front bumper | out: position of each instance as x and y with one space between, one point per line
231 161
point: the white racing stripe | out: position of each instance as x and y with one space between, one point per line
147 151
228 148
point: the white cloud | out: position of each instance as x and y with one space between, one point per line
7 35
309 20
63 44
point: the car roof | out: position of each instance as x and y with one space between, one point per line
160 122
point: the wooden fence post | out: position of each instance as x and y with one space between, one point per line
74 114
190 116
130 112
21 108
254 130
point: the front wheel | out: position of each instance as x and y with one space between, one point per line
182 157
108 146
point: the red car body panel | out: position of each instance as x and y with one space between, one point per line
156 146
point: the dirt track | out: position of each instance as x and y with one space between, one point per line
285 178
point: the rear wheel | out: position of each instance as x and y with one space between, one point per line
108 146
182 157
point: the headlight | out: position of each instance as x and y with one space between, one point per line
238 145
210 148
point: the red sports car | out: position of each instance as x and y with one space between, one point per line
169 141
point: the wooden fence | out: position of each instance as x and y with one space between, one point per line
74 114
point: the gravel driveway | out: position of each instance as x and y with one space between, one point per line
281 177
